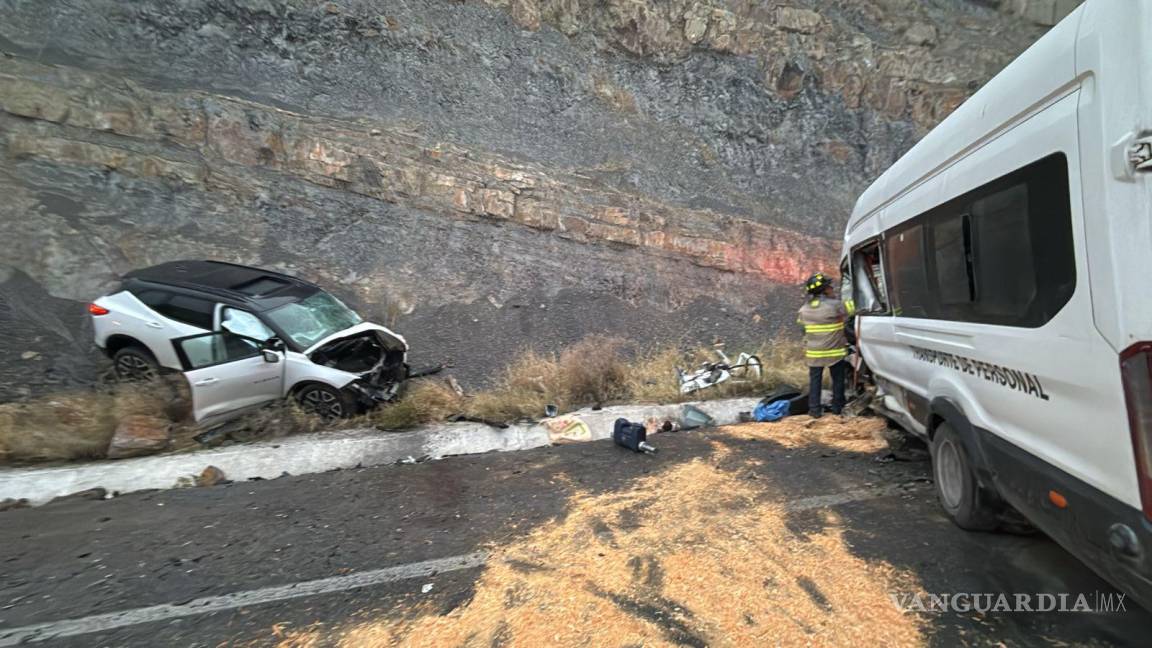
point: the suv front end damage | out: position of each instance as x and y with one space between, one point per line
378 358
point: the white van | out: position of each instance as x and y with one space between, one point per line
1002 270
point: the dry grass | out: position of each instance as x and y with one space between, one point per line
693 555
424 401
599 370
76 425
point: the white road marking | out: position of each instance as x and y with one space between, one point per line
113 620
167 611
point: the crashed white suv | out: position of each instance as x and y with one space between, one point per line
244 336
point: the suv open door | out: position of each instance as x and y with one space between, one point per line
228 373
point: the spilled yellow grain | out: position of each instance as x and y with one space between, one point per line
687 556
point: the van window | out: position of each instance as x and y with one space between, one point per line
868 286
908 285
951 246
1000 254
1002 258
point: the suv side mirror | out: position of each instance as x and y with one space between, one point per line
274 344
270 356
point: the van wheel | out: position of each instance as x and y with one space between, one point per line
957 489
324 401
135 364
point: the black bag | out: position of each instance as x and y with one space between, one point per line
798 405
783 392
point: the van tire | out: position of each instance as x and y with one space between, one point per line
135 363
959 492
325 401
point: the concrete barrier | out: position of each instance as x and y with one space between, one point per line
313 453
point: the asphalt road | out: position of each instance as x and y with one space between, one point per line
79 559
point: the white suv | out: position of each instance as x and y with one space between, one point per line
244 336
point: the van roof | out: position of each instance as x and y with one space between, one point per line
237 284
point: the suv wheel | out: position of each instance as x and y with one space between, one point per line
133 363
324 401
970 506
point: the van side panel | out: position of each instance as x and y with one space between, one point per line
1114 54
1039 391
1074 418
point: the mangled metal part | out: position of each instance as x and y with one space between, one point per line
710 374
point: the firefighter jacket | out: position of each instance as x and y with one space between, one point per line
823 320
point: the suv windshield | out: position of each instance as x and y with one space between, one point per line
313 319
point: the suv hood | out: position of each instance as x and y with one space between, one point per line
356 330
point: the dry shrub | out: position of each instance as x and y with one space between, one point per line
526 386
599 370
783 360
275 420
593 371
75 425
652 378
424 401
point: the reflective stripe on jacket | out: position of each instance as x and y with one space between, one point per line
825 343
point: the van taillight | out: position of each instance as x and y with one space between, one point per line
1136 372
97 309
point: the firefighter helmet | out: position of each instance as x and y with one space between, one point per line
817 284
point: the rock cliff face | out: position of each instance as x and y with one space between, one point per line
482 175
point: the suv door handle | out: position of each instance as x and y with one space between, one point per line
206 381
155 325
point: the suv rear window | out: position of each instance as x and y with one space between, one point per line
181 308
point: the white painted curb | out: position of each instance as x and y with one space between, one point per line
313 453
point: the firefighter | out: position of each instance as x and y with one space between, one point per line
823 317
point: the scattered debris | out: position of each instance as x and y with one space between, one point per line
656 425
88 494
692 417
9 504
455 385
426 588
428 371
139 434
211 476
567 428
29 355
771 411
457 418
860 402
711 374
632 436
551 410
410 460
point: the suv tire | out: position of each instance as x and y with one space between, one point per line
325 401
134 363
970 506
